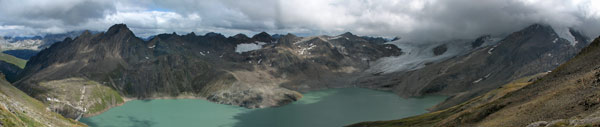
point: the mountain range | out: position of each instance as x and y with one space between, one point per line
222 69
487 78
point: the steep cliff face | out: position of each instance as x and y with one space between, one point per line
568 96
252 72
532 50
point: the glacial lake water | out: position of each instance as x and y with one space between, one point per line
326 108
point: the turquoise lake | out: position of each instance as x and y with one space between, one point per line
326 108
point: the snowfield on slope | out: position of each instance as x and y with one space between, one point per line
417 54
246 47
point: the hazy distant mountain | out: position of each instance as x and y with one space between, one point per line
36 42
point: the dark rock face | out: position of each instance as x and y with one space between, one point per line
9 70
377 40
263 37
439 50
526 52
396 38
171 65
479 41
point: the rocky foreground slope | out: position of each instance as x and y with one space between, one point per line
568 96
17 109
530 51
253 72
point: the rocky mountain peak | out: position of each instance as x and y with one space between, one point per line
165 36
213 34
263 37
240 36
349 35
287 40
539 28
118 28
191 34
86 33
290 35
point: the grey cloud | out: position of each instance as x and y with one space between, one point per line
419 20
69 12
45 16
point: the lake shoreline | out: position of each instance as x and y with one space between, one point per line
360 104
127 99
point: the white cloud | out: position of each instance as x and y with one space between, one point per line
410 19
11 27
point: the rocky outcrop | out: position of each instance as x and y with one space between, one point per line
439 50
171 65
479 41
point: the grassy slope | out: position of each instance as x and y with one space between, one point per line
78 94
433 118
13 60
17 109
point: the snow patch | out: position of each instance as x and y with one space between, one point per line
483 78
334 37
478 80
492 49
565 33
337 37
245 47
52 99
304 50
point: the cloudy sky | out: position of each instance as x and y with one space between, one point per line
410 19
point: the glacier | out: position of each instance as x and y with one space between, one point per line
417 54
